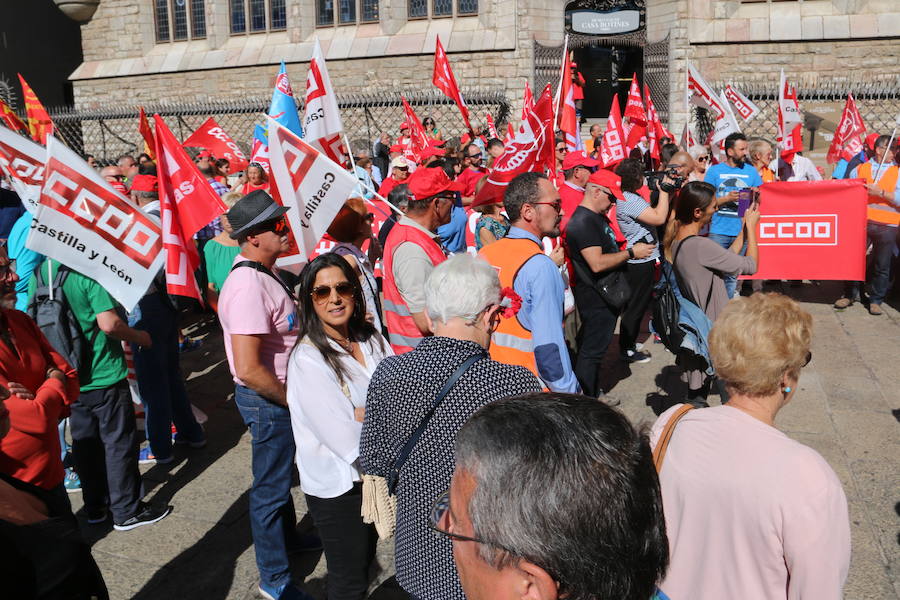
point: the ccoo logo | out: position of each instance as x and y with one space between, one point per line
798 230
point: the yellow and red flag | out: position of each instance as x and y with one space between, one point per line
11 119
39 123
147 134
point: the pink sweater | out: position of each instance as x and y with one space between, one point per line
750 513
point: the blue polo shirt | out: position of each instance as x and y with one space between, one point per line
727 179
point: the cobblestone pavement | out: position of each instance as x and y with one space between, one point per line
846 408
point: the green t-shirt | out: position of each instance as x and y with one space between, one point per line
219 259
87 299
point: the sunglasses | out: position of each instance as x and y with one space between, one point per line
321 293
280 227
562 149
702 158
557 206
474 156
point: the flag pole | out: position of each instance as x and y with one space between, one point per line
562 74
363 183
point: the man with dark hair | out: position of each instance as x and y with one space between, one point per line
494 148
128 166
882 177
575 512
594 139
412 249
534 337
259 326
728 177
666 152
471 174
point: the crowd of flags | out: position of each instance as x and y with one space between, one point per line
302 152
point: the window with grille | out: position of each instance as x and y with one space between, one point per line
257 16
346 12
179 20
419 9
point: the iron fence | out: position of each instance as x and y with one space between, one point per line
878 103
109 132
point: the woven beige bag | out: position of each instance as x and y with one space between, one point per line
378 506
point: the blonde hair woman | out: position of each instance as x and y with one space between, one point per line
739 494
760 152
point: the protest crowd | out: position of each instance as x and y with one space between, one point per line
420 326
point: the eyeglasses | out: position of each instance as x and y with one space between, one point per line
402 168
474 156
321 293
562 149
557 205
438 521
280 227
702 158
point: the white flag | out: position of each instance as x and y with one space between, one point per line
700 93
322 125
310 184
726 124
85 224
23 162
745 107
787 104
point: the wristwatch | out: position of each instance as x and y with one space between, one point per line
631 253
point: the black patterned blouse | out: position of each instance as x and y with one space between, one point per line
401 391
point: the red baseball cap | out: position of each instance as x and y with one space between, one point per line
426 182
144 183
396 148
609 180
404 125
205 154
870 140
578 159
429 152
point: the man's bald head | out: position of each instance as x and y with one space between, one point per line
111 171
683 161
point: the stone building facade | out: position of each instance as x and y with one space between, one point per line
389 44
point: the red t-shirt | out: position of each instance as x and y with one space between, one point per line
249 187
570 197
387 185
469 178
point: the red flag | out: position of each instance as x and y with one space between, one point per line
146 133
532 149
653 125
39 123
187 203
687 139
443 79
418 139
566 114
492 129
527 101
212 137
612 152
11 119
634 108
790 130
849 134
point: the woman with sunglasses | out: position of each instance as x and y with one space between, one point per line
739 494
328 375
700 154
431 129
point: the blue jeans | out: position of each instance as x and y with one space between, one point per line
272 517
726 241
159 377
884 245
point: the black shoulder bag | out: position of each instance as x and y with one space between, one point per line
263 269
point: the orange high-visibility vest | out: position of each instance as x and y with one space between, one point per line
403 333
880 210
512 342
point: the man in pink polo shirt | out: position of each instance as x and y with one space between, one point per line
259 320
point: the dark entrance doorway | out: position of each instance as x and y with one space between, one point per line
607 70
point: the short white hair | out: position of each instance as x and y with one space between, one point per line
698 150
461 286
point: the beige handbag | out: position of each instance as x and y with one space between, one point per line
379 506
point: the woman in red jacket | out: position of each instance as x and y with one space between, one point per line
42 386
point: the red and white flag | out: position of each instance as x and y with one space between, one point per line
725 124
612 150
634 108
687 138
653 126
700 93
492 129
790 134
259 150
531 149
527 101
85 224
418 139
566 114
745 107
186 203
443 79
322 126
213 138
23 162
849 134
310 184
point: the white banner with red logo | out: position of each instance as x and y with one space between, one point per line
812 230
700 93
23 162
322 124
745 107
212 137
612 151
187 203
85 224
311 185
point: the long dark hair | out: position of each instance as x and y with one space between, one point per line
310 324
694 195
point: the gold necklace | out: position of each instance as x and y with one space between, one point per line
344 343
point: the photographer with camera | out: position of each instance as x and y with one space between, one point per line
638 222
678 168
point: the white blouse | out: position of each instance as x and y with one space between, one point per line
325 432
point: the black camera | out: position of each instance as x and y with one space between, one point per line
655 179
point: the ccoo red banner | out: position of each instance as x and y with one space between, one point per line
213 138
812 230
